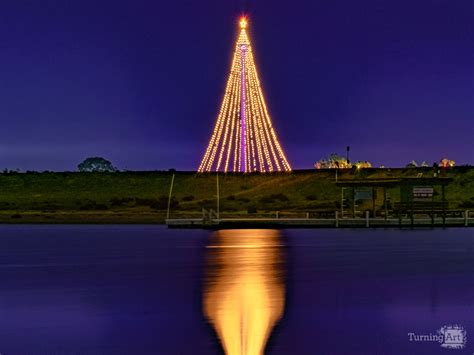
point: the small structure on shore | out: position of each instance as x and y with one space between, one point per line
417 196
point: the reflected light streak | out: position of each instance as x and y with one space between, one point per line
244 292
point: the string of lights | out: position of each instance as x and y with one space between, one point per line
243 138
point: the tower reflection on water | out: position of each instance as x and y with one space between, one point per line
244 291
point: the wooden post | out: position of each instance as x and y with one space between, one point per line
444 205
169 198
373 202
367 219
353 203
342 202
401 208
432 209
337 219
218 200
307 215
466 218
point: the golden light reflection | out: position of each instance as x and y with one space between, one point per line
244 292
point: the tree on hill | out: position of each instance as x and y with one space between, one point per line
363 164
446 163
334 161
96 164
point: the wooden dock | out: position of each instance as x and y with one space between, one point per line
417 208
280 223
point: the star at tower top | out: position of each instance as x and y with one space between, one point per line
243 22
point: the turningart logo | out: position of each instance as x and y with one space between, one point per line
454 336
449 337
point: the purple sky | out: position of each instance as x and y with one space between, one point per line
140 82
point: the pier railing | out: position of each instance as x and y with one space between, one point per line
281 219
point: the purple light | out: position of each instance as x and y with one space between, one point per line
243 143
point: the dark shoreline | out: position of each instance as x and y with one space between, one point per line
142 197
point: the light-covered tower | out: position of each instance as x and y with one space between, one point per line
243 139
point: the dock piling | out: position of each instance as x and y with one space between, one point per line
169 198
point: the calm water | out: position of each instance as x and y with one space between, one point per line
149 290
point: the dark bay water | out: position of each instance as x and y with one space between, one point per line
150 290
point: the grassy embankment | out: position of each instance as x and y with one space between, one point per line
141 197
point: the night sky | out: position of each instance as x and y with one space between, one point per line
140 82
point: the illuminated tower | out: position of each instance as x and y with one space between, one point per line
243 138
